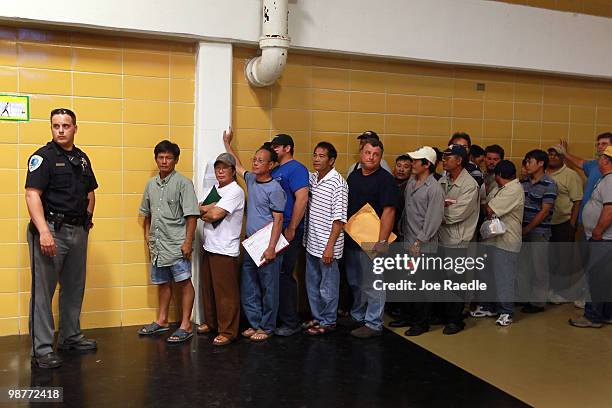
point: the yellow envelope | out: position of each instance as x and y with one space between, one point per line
364 227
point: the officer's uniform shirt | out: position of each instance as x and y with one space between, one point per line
64 177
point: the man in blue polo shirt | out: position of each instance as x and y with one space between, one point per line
540 195
589 167
293 178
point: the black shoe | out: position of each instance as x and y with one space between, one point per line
400 323
50 360
453 328
81 345
529 308
416 331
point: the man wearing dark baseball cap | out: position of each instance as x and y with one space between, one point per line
461 211
363 138
293 178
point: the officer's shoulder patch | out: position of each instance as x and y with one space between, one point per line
35 162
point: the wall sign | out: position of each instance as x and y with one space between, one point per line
14 107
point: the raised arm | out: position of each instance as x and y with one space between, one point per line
575 161
228 135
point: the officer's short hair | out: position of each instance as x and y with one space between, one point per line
63 111
166 146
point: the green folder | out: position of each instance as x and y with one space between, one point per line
213 197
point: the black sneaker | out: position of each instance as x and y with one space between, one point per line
529 308
50 360
416 331
453 328
81 345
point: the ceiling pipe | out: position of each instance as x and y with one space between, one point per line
274 42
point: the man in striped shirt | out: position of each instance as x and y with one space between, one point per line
324 238
540 195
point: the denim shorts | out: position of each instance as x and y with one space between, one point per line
180 271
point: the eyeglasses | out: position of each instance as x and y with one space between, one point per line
259 161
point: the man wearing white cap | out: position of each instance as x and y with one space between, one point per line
423 214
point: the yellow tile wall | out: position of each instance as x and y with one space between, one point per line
602 8
333 98
128 94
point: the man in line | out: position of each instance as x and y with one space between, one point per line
589 167
461 211
220 273
170 207
293 178
368 134
506 203
477 155
401 173
266 204
563 223
423 213
540 195
493 155
324 239
597 218
463 139
369 184
60 198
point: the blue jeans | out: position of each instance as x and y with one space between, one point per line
259 292
322 285
368 303
287 308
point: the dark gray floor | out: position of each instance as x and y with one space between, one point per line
300 371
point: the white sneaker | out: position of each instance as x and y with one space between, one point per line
556 299
481 312
579 304
504 319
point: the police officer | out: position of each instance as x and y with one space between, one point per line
60 197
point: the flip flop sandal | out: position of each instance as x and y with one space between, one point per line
204 328
264 336
152 328
320 330
181 336
311 323
249 332
223 342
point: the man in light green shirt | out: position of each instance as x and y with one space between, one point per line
170 207
507 203
563 260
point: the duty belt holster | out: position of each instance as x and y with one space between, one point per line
58 221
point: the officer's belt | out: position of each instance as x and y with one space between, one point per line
62 218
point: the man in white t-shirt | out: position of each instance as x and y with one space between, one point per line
220 276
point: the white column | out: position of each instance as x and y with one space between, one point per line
213 115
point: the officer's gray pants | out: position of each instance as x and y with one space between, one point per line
67 267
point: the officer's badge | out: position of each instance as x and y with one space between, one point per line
34 163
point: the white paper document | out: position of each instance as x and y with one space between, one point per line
257 243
